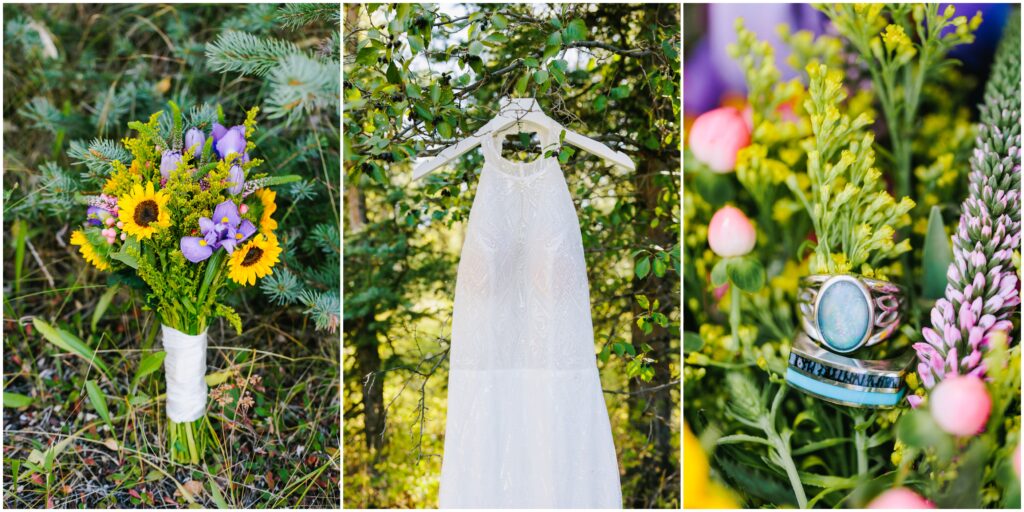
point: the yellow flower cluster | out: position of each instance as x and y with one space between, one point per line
898 47
88 250
699 491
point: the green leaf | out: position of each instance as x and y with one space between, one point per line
715 188
531 62
555 39
605 354
719 275
69 343
964 492
476 48
660 266
600 103
444 130
643 267
416 44
620 92
917 429
16 400
423 113
413 91
393 75
522 83
565 154
746 273
938 254
98 400
692 342
576 31
367 55
149 364
499 21
643 302
102 304
540 76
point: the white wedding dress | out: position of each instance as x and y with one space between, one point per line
527 424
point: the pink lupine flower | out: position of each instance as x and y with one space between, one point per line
983 290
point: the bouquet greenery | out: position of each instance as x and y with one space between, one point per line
184 216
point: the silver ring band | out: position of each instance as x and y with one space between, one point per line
857 312
846 381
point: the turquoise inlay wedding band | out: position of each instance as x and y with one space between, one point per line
844 380
841 395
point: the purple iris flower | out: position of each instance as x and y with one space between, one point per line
228 140
97 216
225 230
194 140
236 180
168 162
217 132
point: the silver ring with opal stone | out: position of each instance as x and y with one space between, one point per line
845 312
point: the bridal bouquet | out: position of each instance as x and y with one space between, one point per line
189 215
878 163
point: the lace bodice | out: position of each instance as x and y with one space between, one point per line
522 292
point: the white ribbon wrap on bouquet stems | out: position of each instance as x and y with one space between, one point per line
185 372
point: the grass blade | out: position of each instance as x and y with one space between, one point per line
69 343
99 401
216 495
103 304
20 232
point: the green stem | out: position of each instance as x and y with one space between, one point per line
734 315
860 441
786 459
192 451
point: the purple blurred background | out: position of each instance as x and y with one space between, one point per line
711 75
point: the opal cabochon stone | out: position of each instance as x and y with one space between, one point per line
843 315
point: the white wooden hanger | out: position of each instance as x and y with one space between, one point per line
512 113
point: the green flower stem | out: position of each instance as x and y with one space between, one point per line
785 458
860 442
734 314
186 446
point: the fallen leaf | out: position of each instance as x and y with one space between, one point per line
111 444
193 487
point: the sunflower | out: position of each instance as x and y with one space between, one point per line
267 197
88 251
143 211
254 260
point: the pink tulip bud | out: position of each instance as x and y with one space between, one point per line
961 405
717 135
731 233
120 224
243 209
900 497
110 221
124 236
